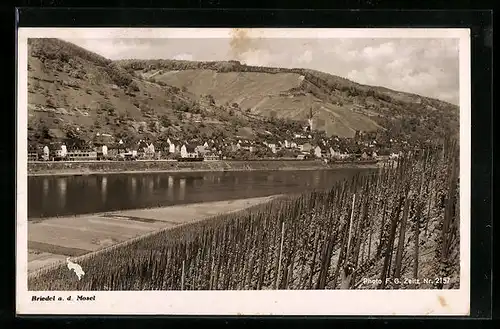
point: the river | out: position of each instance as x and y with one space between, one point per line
50 196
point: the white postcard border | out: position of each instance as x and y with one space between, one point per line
268 302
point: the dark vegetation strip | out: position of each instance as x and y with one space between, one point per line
139 219
401 223
54 249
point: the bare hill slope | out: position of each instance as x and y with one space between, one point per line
340 106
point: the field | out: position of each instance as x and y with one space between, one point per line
402 223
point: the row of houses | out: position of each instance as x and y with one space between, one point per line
105 146
143 149
207 150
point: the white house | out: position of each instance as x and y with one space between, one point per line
343 155
248 147
171 147
201 149
150 149
272 147
317 152
46 152
64 150
188 151
104 150
306 147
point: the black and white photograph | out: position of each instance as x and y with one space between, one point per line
222 163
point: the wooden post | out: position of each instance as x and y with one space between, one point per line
350 227
182 277
281 254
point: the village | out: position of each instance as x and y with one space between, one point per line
304 145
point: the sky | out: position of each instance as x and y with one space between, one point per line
428 67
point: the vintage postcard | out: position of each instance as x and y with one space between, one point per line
243 171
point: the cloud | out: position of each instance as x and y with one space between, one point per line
256 58
383 50
306 57
428 67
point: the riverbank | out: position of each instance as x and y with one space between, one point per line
51 240
110 167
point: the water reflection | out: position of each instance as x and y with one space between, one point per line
170 188
57 196
62 186
182 188
133 185
317 178
104 189
45 187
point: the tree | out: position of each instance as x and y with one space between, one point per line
284 153
211 99
272 116
50 102
108 107
165 121
196 109
152 126
263 152
133 87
